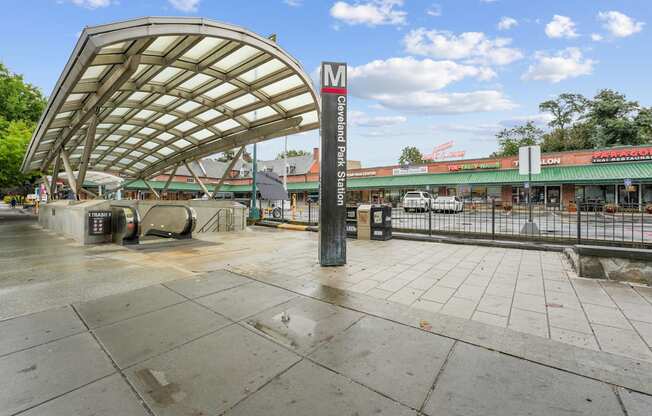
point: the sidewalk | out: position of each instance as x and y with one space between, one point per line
225 344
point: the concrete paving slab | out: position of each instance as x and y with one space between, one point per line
38 328
144 336
307 389
393 359
622 341
636 404
211 374
246 300
480 382
34 376
114 308
303 324
207 283
110 396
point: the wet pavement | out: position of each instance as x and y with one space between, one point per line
247 323
220 343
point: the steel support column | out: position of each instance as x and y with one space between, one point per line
169 181
149 186
88 148
229 168
194 175
55 176
72 182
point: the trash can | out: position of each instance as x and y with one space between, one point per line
352 221
381 222
364 222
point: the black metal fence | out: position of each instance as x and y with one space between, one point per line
587 223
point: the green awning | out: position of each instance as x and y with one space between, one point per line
584 174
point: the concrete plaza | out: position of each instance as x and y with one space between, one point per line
248 324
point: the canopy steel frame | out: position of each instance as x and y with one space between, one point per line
139 96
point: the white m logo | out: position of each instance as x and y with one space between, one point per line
334 80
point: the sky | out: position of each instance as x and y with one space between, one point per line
421 72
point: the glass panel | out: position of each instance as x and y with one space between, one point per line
282 85
203 48
236 58
161 44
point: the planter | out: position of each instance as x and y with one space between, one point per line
648 208
611 208
572 207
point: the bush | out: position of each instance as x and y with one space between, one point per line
611 208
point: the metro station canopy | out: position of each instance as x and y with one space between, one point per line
139 96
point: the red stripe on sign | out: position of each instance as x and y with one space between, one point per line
333 90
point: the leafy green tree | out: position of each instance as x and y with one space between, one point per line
230 154
14 137
19 100
292 153
410 155
643 122
564 109
21 105
613 119
510 140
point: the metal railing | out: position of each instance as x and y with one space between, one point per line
222 220
589 223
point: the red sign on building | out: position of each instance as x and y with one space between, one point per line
622 155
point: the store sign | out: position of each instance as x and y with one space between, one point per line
332 181
546 161
410 170
622 155
474 166
360 174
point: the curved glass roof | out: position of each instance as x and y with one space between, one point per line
139 96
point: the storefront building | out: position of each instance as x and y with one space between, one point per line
621 176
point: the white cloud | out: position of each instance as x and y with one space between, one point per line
619 24
427 102
434 10
371 13
507 23
358 118
92 4
567 63
409 84
293 3
540 120
185 5
475 47
403 75
596 37
561 27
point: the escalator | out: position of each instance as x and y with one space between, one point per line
161 221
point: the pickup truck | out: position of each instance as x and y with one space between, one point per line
417 201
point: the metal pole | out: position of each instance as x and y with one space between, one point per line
529 176
254 210
493 220
579 223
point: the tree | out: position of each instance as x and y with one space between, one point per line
14 137
613 119
230 154
510 140
564 109
292 153
19 100
21 105
410 155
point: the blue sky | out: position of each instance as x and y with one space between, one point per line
421 72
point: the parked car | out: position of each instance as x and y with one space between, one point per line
417 201
448 204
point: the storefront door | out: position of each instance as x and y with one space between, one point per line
628 196
553 196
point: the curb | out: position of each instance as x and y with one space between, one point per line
286 226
